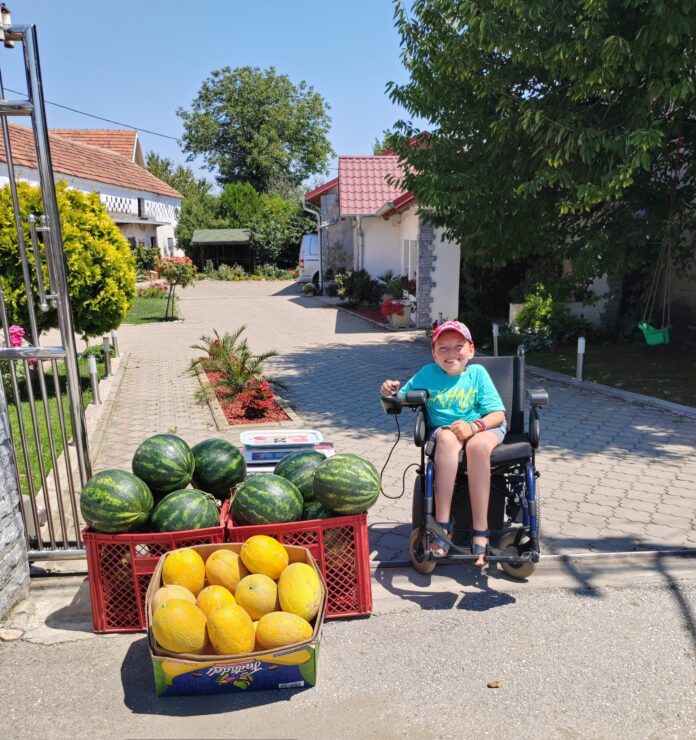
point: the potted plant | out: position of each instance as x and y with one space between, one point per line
397 312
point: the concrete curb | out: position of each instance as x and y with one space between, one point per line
638 398
220 419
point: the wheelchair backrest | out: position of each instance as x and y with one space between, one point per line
507 374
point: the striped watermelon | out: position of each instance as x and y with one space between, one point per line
165 462
219 467
115 501
315 510
185 509
266 499
347 483
298 467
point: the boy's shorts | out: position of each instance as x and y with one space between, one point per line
499 432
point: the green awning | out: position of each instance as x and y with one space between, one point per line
221 236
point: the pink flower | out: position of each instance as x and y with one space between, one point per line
17 334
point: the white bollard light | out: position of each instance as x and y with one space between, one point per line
94 380
114 343
496 333
581 358
106 344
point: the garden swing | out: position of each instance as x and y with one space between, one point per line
652 334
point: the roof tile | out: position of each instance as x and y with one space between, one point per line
363 186
85 161
116 140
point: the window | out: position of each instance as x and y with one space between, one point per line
131 241
170 246
141 207
409 263
153 241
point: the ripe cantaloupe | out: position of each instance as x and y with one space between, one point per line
299 590
231 631
171 592
257 594
263 554
279 629
180 627
184 567
225 568
214 597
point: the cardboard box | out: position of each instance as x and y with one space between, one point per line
286 668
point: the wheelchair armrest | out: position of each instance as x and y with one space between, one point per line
537 397
391 404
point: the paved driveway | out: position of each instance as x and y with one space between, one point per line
616 476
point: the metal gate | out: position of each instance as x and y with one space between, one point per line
42 384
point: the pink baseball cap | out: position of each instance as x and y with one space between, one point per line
456 326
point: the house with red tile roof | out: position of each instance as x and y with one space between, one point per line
109 163
369 222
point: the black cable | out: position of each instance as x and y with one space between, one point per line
406 469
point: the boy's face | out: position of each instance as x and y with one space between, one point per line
452 352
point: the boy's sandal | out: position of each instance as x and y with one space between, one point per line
477 549
442 544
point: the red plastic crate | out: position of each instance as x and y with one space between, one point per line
120 567
340 547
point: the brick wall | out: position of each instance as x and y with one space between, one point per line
425 285
14 566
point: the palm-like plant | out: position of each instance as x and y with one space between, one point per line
230 358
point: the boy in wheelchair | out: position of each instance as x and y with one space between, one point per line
464 411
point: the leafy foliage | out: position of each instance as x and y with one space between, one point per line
100 267
559 131
236 370
256 126
177 271
239 205
179 177
358 287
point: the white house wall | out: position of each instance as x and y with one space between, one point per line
381 244
124 201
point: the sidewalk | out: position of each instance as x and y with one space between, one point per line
616 476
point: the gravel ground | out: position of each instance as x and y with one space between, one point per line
608 662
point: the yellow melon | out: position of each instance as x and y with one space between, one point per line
213 597
171 592
179 626
257 594
185 568
263 554
278 629
231 631
299 590
225 568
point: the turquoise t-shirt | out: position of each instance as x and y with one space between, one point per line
451 398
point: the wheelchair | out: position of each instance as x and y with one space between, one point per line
513 511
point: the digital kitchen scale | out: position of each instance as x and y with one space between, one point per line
266 447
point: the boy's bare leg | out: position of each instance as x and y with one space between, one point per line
446 463
478 461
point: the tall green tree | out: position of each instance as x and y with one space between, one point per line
179 177
240 205
257 126
562 132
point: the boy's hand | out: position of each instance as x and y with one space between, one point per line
462 430
389 388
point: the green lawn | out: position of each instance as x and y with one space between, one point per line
148 310
41 426
663 371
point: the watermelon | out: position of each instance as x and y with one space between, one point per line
347 483
298 467
115 501
315 510
266 499
165 462
219 467
185 509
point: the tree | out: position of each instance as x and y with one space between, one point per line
100 267
383 145
256 126
239 205
197 213
557 130
278 228
179 177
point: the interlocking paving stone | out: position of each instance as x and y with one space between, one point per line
616 475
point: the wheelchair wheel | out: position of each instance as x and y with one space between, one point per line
507 546
417 554
417 513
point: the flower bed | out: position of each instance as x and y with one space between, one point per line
236 409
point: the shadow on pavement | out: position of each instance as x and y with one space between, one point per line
485 598
76 615
139 692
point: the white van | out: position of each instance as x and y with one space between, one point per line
309 259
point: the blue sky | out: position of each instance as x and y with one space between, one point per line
138 62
